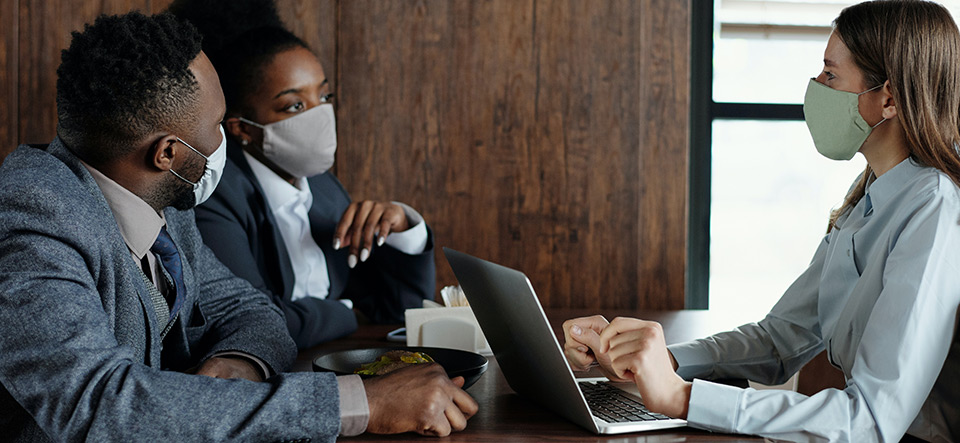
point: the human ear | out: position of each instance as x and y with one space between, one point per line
889 106
162 152
240 131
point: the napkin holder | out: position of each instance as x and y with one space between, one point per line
443 327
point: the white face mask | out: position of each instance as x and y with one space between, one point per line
303 145
212 170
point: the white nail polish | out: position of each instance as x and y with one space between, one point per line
352 261
336 244
381 240
364 254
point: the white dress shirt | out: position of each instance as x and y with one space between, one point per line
290 206
882 296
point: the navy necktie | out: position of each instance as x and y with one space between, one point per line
170 258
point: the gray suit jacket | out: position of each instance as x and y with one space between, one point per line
80 353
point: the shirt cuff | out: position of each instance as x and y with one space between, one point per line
714 406
265 372
692 360
354 410
346 302
413 241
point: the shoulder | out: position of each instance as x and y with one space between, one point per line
236 180
236 193
33 180
930 186
328 192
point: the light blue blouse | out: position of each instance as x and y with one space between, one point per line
882 296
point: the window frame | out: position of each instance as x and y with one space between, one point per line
703 111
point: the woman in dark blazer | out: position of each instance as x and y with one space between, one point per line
279 217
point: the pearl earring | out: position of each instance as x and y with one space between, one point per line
244 142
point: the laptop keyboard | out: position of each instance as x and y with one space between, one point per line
613 406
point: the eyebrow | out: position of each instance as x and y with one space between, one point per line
295 90
828 62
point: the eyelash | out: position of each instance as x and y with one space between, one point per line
830 76
298 106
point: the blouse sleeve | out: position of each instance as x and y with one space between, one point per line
904 344
769 351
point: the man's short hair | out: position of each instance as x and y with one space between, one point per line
122 78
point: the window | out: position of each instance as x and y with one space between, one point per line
760 194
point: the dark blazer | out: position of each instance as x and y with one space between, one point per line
237 224
80 350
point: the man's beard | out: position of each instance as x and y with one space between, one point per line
179 193
183 197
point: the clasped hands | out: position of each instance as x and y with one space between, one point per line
364 220
631 350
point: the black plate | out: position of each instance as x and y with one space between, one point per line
465 364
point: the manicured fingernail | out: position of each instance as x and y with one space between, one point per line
364 254
352 261
336 244
380 241
575 330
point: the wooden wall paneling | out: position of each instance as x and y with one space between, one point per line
9 76
158 6
436 111
45 28
664 151
583 211
314 21
546 135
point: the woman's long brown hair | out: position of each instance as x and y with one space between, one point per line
915 46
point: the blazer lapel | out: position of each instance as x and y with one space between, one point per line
284 266
132 320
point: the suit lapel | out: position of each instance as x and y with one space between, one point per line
132 320
284 266
323 227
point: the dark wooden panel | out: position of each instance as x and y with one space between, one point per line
9 77
44 30
314 21
664 150
158 6
545 135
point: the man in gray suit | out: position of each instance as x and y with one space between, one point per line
116 323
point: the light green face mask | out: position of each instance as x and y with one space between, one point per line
834 120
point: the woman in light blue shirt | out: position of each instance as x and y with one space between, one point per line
881 294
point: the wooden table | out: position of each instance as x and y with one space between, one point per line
506 417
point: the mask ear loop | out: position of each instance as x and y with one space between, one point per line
868 90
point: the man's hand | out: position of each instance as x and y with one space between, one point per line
230 367
364 220
418 398
582 345
636 349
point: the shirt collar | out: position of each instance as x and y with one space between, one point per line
883 188
279 192
139 223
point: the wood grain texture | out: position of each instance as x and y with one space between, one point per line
9 76
664 150
549 136
45 28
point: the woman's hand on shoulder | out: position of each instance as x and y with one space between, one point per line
365 223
